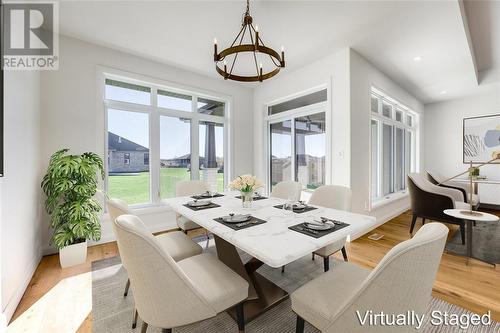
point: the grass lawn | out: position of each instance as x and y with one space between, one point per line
134 189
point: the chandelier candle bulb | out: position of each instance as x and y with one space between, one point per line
216 57
256 38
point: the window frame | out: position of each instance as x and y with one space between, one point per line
413 128
154 113
291 115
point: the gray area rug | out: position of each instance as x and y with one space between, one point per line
112 313
485 242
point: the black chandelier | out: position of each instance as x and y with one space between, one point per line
256 46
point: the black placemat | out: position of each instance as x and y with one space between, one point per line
298 211
237 226
212 205
254 198
317 233
201 197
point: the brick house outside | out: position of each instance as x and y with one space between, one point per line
126 156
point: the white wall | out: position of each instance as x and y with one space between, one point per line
443 131
363 76
332 71
70 109
351 78
21 226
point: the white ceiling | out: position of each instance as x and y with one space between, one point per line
387 33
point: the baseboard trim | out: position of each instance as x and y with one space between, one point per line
382 220
11 306
108 238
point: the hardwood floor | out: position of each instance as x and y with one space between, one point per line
475 287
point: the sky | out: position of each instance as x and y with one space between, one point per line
175 133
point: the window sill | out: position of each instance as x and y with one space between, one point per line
389 199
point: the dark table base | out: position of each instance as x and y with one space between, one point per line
262 293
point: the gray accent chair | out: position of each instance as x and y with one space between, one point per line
171 294
428 201
436 178
401 282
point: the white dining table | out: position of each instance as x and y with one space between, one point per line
271 243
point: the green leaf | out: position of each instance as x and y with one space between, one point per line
69 185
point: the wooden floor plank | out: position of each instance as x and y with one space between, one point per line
475 287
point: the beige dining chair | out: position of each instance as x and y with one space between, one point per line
335 197
187 188
176 243
288 190
401 282
170 294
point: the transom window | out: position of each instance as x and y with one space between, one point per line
393 145
158 136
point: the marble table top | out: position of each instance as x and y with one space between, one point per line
272 242
486 217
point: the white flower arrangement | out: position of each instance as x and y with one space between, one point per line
246 183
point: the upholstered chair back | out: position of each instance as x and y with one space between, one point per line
332 196
117 207
164 296
401 282
288 190
435 177
191 187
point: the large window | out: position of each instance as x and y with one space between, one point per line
158 136
297 140
392 146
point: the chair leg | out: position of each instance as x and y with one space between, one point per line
300 325
144 327
413 221
166 330
240 316
127 286
326 263
313 256
282 269
344 253
462 234
423 221
134 318
208 238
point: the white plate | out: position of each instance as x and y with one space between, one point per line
236 218
316 226
199 203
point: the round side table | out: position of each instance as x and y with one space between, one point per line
485 217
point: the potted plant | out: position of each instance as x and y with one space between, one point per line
70 185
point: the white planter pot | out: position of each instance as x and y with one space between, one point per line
72 255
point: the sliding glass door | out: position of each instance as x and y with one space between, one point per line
297 149
281 151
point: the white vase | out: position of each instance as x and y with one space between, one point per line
73 255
